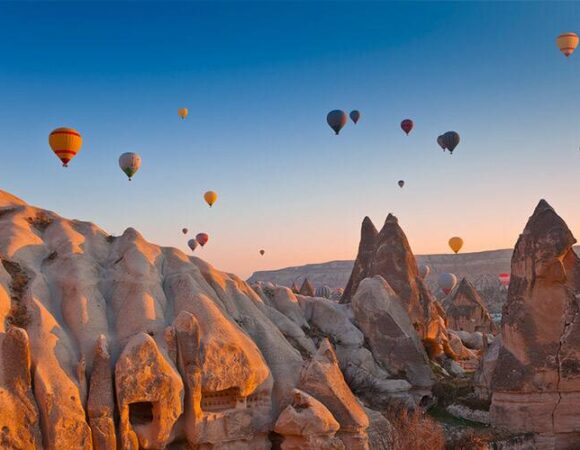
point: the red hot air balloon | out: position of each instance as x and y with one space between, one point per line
407 126
202 238
504 279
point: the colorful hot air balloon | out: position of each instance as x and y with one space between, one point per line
447 282
323 291
407 126
336 120
451 140
441 142
401 183
504 279
424 271
567 43
202 238
262 252
129 163
192 243
65 143
355 116
183 112
455 243
210 197
184 230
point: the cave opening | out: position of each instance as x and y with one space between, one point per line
141 413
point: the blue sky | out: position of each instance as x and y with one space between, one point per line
258 79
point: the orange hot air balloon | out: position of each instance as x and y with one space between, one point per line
183 112
456 243
567 43
407 126
65 143
210 197
202 238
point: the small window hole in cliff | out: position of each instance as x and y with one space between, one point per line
221 400
141 413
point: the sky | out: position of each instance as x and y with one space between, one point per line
258 79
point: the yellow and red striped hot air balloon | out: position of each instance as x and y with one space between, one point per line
567 43
65 143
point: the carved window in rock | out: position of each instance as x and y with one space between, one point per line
221 400
141 413
257 399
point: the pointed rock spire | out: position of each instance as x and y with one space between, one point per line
307 290
466 310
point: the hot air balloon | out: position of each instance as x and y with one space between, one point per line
210 197
323 291
424 270
184 230
262 252
451 140
337 294
401 183
129 163
567 43
407 126
504 279
447 282
355 116
336 120
455 243
183 112
192 243
441 142
202 238
65 143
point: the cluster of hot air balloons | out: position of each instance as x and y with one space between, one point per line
448 141
337 119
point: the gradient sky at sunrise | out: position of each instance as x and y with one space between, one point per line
258 79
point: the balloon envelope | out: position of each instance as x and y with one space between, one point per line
129 163
65 143
447 282
504 279
355 116
441 142
262 252
336 119
451 140
323 291
202 238
192 243
455 243
401 183
183 112
424 270
184 230
407 125
210 197
567 43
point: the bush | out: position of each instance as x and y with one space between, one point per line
414 430
467 441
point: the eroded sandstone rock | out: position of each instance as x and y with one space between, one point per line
466 310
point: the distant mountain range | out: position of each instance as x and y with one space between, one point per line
481 268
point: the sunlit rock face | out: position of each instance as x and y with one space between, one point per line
113 342
466 310
536 381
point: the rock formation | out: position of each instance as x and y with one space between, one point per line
306 289
536 380
466 310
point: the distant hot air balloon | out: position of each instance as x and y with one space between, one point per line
336 120
184 230
129 163
407 126
424 270
567 43
451 140
504 279
323 291
65 143
355 116
210 197
183 112
262 252
455 243
441 142
447 282
401 183
192 243
202 238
